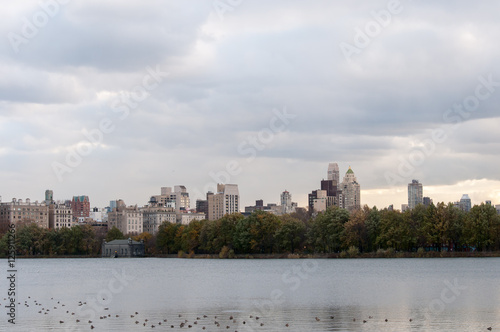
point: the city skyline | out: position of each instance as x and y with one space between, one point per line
263 95
181 189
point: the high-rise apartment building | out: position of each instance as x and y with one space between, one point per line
465 203
351 191
182 201
320 202
225 201
202 207
415 194
178 198
166 199
287 206
80 206
333 173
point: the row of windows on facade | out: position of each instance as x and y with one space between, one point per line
23 209
23 213
20 217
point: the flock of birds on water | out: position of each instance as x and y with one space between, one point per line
203 322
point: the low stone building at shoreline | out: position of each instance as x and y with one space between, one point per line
123 248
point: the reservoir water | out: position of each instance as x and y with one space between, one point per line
458 294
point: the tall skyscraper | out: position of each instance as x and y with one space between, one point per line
351 191
225 201
333 173
415 194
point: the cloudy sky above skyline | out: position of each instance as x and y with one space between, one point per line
115 100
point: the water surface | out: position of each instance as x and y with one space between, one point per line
457 294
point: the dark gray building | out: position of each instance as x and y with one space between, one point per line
123 248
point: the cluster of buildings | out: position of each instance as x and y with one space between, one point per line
345 194
47 213
173 205
287 206
332 192
416 197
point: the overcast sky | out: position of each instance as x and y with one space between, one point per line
116 99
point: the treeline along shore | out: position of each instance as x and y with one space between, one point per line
435 231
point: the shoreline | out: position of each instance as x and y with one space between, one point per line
374 255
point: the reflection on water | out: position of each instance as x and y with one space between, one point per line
461 294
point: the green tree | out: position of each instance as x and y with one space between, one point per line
291 234
301 214
191 236
372 228
114 234
411 229
53 243
391 230
149 241
256 232
166 238
482 227
29 239
327 230
356 231
89 245
216 234
455 226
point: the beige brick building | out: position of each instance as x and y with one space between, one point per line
20 213
60 215
154 216
186 218
128 219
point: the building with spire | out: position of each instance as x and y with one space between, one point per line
351 191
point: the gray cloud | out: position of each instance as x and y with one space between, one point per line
226 77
